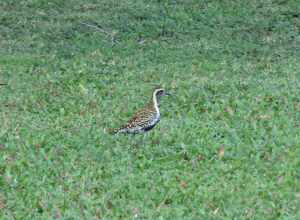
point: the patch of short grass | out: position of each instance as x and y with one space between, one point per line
75 68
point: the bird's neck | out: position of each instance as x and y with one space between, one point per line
155 103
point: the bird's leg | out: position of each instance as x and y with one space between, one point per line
144 135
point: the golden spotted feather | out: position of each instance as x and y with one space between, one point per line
143 120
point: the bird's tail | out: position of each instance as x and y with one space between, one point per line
113 131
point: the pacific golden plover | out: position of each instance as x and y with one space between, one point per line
146 118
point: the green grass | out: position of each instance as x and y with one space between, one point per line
233 67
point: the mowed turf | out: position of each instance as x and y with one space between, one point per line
227 145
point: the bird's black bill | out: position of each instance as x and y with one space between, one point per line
169 94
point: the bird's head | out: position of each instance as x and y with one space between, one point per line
159 92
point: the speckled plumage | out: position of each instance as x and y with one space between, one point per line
144 119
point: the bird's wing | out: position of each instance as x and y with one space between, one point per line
140 118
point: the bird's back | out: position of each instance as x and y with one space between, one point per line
143 120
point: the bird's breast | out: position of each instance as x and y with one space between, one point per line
156 118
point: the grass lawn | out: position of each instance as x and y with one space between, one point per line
227 145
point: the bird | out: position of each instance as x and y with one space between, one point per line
146 118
